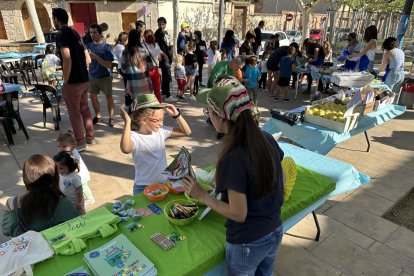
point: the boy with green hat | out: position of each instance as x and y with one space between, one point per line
144 136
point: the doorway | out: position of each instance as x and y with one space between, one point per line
240 19
127 19
3 34
83 15
43 16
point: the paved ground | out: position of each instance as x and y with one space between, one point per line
355 240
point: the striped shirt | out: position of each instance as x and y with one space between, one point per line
138 80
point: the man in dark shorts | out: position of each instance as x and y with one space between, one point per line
100 76
74 58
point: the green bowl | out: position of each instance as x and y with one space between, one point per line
180 222
199 203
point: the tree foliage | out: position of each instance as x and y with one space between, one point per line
376 5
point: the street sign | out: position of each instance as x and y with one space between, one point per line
289 17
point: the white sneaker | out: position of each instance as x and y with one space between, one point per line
192 98
170 100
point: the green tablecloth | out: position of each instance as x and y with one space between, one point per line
204 247
201 251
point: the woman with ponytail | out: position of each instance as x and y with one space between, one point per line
43 205
248 176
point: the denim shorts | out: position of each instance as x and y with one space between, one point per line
255 258
394 80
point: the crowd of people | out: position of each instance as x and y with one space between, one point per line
248 171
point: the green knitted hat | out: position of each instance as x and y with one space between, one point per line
228 98
145 101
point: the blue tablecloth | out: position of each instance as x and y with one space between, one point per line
40 47
322 140
10 87
14 55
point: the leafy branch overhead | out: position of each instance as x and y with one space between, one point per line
377 5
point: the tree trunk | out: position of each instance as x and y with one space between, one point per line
353 29
31 8
176 14
305 22
220 22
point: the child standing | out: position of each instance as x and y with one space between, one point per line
263 70
70 183
49 65
191 66
252 75
179 73
213 56
144 136
287 65
66 142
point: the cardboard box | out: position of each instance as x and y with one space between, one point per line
351 122
365 108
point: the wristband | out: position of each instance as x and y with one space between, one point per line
178 115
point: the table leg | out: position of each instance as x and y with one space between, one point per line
366 138
318 233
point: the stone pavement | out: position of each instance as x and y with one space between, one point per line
355 240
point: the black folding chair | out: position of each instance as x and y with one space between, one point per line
8 111
50 99
38 64
8 75
7 130
27 66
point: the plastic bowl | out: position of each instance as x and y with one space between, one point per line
154 187
199 203
180 222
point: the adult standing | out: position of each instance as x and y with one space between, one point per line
353 46
155 54
247 47
201 52
183 38
161 37
99 73
249 177
229 44
140 26
134 67
258 39
74 58
366 63
392 64
316 57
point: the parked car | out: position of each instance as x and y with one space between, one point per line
283 39
50 37
316 35
294 36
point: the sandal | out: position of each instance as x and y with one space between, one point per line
96 120
110 122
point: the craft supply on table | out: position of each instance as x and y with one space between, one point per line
162 241
144 212
131 227
155 208
156 192
175 237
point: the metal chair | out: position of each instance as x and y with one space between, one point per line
8 75
50 99
7 130
8 111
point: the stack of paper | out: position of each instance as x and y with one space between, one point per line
119 257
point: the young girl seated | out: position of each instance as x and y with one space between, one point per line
43 205
144 136
66 142
49 65
70 183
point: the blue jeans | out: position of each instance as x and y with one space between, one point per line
138 189
255 258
